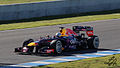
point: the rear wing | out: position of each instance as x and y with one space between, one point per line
82 28
87 29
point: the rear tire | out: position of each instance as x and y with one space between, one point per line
82 45
93 42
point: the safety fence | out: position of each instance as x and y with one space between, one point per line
40 9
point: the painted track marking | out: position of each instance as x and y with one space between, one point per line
64 59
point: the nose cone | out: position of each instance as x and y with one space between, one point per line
31 44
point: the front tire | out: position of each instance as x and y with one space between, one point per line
57 45
30 48
93 42
26 42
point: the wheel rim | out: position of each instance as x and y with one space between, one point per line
96 42
58 47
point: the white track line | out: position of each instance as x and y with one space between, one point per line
43 62
83 56
61 59
20 66
100 54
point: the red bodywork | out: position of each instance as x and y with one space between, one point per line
89 33
70 32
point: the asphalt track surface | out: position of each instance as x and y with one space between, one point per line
107 30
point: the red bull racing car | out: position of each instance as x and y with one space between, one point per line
66 39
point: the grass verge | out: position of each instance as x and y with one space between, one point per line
62 19
3 2
112 61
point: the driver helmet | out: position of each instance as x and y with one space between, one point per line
58 34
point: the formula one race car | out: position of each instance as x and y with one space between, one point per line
66 39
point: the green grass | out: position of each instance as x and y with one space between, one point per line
20 1
100 62
62 19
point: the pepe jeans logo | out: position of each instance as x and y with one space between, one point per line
111 61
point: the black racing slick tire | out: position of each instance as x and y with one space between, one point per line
93 42
57 45
26 42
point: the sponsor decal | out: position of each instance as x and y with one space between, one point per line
50 50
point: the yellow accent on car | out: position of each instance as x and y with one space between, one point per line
31 44
63 33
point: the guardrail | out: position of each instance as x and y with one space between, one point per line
39 9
